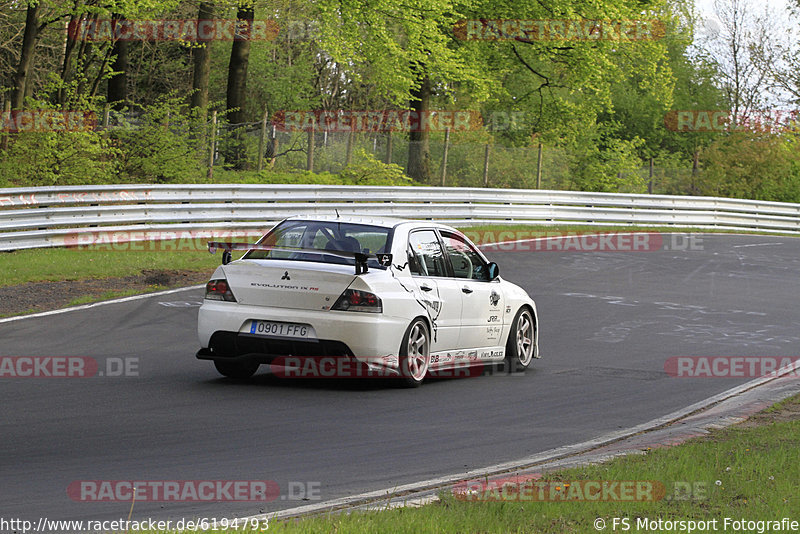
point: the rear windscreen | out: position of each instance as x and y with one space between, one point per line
322 237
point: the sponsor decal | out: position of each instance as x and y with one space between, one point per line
493 332
491 354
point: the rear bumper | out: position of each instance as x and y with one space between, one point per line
366 337
235 346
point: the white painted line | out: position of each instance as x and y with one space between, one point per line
552 454
101 303
410 503
757 245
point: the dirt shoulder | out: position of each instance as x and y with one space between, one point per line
44 296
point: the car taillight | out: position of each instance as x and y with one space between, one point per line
219 290
360 301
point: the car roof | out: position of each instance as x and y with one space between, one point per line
386 222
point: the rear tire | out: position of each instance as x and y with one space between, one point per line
415 354
239 370
521 342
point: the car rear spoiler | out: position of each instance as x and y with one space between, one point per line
359 257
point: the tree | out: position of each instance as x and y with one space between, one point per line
26 54
408 53
118 82
419 146
201 60
733 55
236 94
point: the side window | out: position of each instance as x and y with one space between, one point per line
291 237
466 261
413 262
425 254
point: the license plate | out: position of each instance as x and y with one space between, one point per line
273 328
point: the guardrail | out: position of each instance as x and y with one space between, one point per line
59 216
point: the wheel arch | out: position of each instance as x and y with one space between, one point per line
535 315
426 320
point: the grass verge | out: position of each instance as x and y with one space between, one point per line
738 473
57 264
108 295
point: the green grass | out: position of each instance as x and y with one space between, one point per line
75 264
55 264
26 312
748 473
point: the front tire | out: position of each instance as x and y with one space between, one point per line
415 354
521 341
240 370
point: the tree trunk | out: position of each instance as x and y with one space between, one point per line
70 44
237 87
118 84
419 156
69 48
26 56
201 57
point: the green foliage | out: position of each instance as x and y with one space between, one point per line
366 170
163 144
57 158
746 165
46 158
597 106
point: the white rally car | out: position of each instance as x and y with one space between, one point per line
406 298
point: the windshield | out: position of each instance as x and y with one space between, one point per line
324 236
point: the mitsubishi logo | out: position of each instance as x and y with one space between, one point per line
286 276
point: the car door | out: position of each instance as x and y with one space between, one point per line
482 300
439 293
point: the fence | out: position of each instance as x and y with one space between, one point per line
474 158
58 216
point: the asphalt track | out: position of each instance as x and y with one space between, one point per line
609 321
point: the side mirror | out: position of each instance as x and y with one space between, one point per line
494 271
